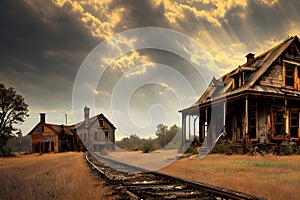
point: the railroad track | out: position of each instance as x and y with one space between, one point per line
136 183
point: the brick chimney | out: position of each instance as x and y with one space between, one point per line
86 114
250 57
43 117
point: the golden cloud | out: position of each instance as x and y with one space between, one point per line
213 15
132 64
103 27
268 2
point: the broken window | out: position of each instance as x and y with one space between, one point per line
247 76
252 122
236 82
291 75
239 125
294 124
279 128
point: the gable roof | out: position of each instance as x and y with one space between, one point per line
71 130
58 129
258 66
94 119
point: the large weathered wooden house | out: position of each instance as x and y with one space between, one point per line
93 134
258 102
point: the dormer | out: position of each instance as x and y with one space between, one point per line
291 66
291 74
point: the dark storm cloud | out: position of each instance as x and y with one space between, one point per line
140 14
267 21
42 47
262 21
191 24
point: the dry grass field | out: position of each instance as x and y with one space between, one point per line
50 176
272 177
66 176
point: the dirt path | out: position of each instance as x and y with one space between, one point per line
50 176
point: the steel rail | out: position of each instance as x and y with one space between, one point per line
215 191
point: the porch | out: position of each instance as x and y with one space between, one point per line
249 118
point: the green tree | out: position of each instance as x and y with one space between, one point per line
13 111
161 133
165 135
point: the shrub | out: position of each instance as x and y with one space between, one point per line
229 151
222 148
287 150
6 152
192 150
147 147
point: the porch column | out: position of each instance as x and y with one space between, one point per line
286 117
200 127
224 118
195 119
183 125
205 125
246 121
189 127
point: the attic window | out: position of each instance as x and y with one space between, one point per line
101 123
237 81
247 76
291 75
41 129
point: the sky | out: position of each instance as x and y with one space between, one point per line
46 46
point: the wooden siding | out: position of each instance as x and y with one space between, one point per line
273 76
46 129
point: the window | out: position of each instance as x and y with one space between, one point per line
95 148
252 122
294 124
237 82
291 75
279 128
41 129
106 134
96 136
101 123
247 76
239 125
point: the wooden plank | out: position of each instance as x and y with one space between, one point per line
291 62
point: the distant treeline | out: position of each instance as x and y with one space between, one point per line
17 144
168 138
